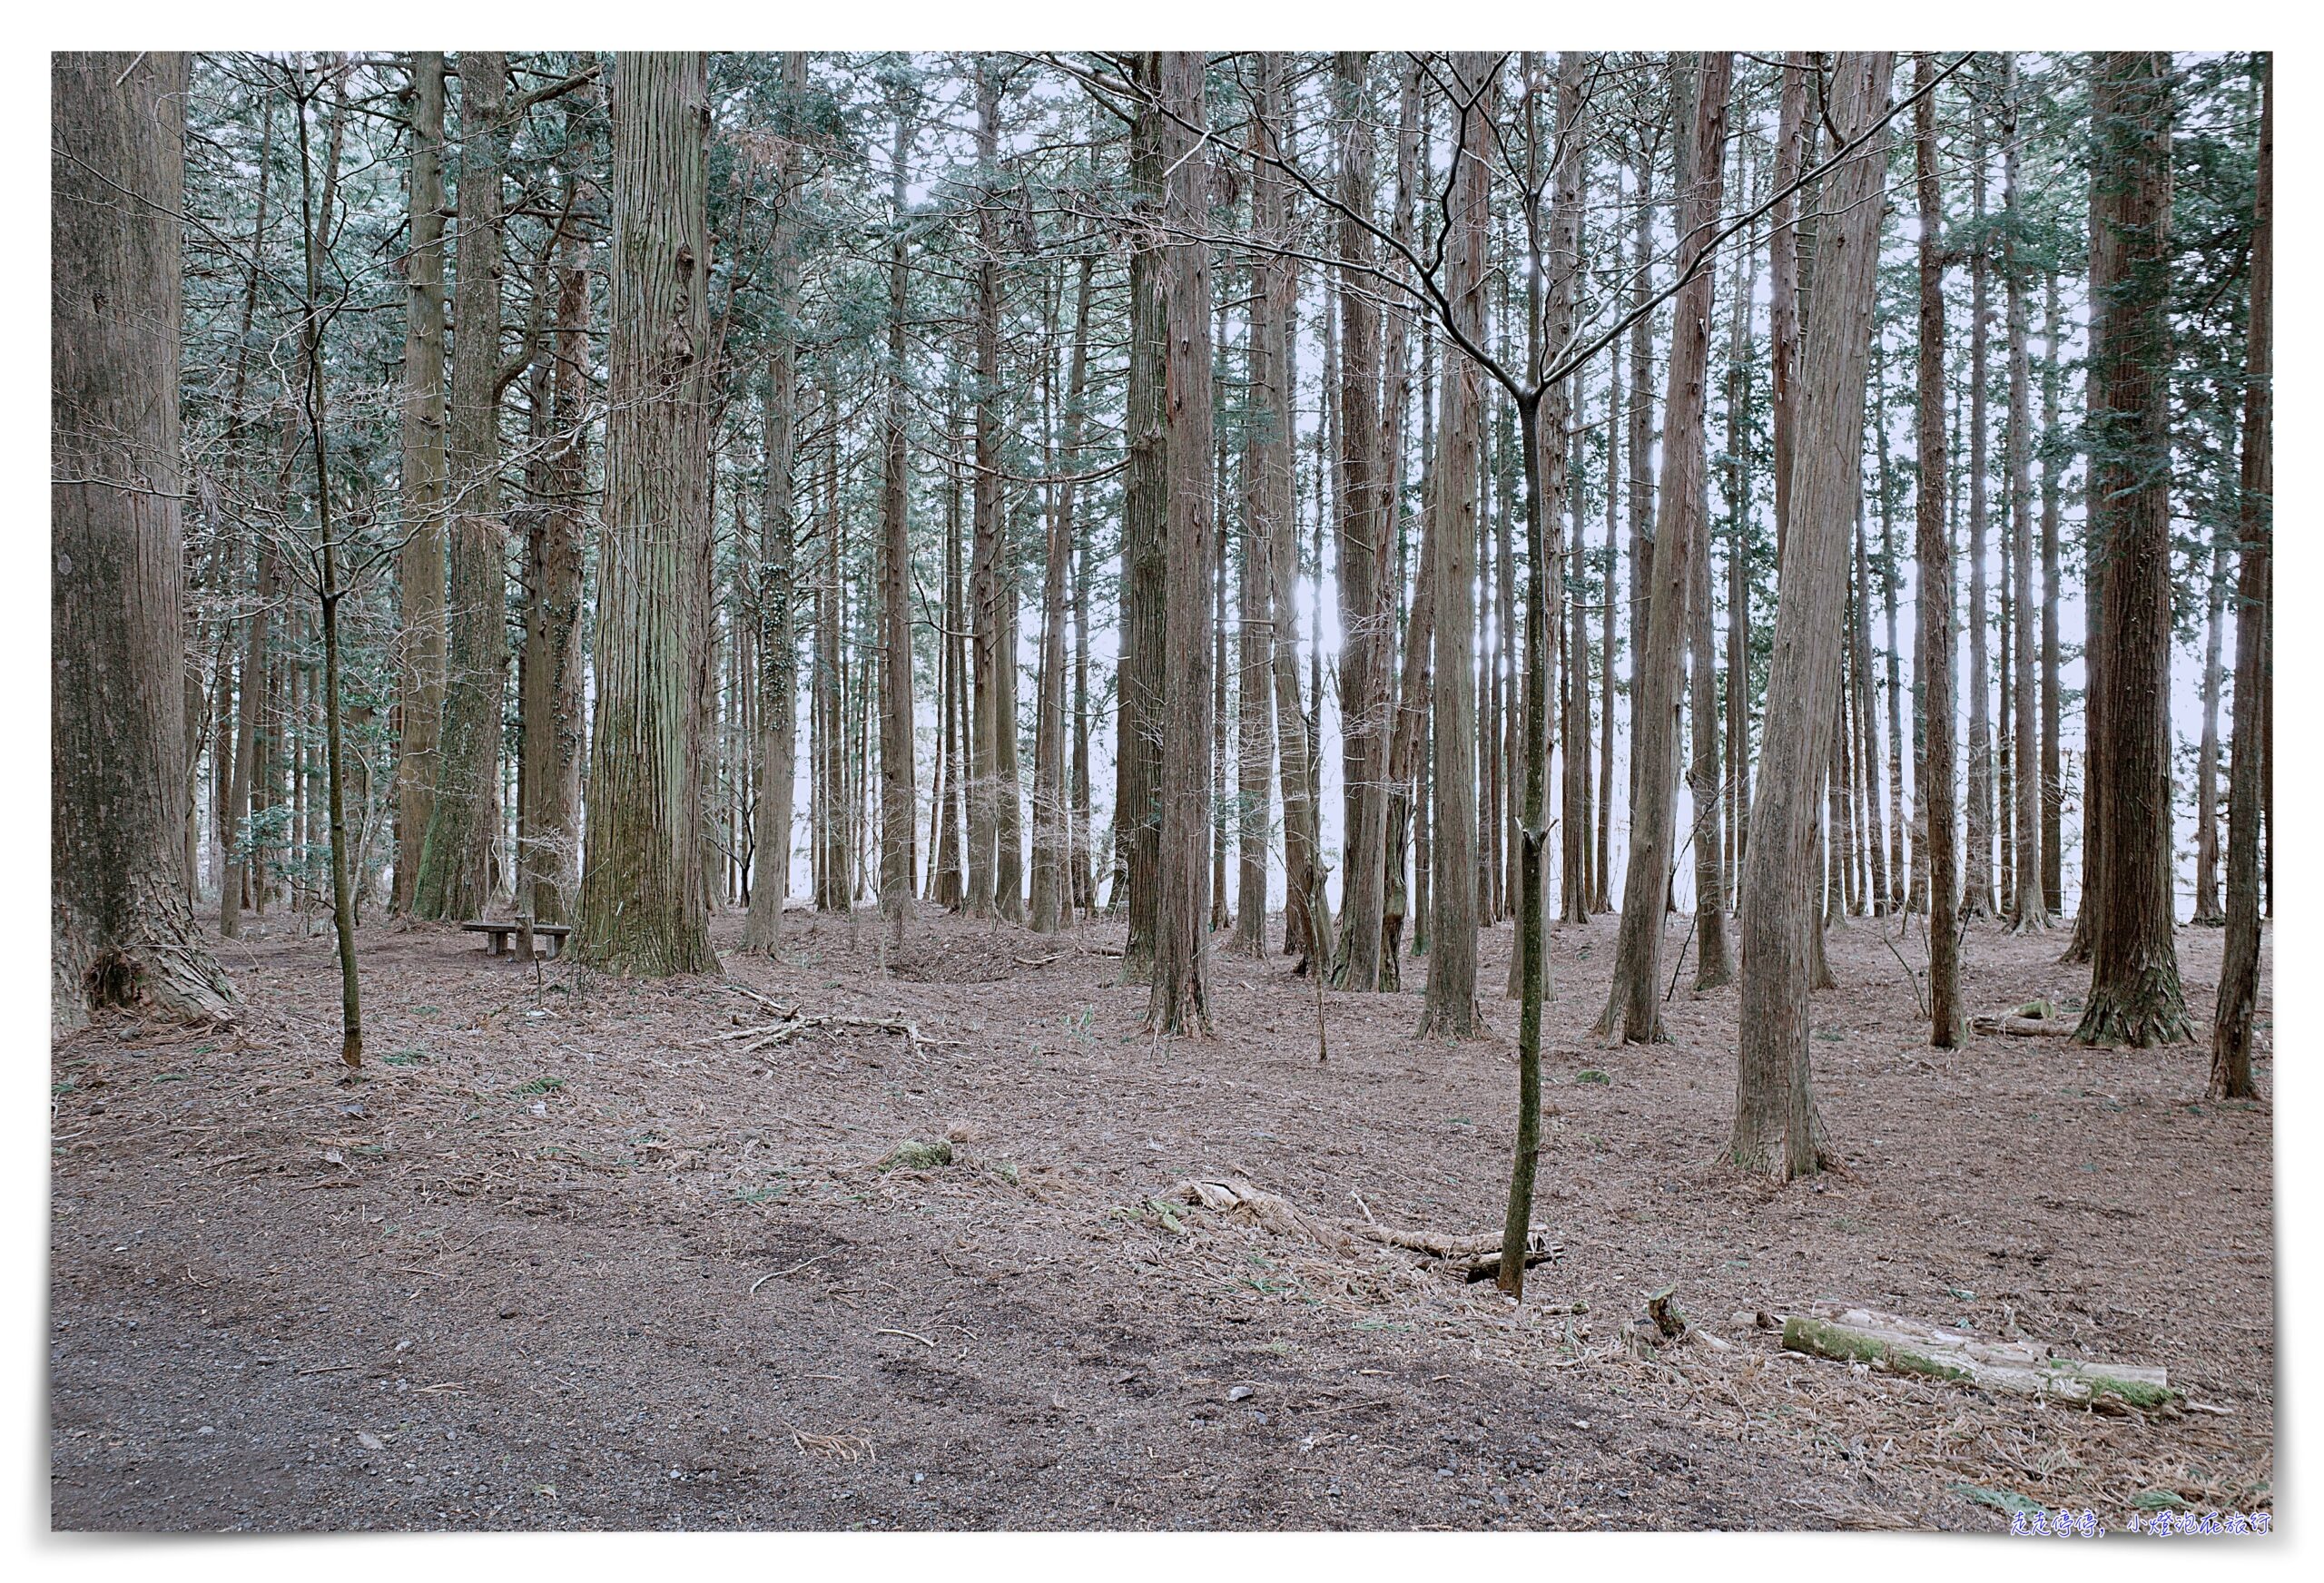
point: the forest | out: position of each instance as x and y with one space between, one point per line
1090 789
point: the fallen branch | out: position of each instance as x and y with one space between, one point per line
2021 1368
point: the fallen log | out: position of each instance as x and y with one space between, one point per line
2019 1368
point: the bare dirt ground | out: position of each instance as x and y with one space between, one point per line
582 1253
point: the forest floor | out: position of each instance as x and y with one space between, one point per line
585 1254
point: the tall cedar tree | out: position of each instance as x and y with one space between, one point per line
1180 1000
419 562
645 906
1933 654
1633 1006
2134 993
1450 1007
2239 979
1775 1129
458 859
122 930
898 808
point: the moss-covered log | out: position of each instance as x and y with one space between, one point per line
2021 1368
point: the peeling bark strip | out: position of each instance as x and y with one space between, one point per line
644 906
1775 1130
122 925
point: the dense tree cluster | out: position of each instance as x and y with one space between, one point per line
1402 493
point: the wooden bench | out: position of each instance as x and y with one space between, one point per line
501 929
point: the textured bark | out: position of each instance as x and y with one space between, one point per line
984 726
2239 980
778 643
419 562
1052 881
1254 600
1602 857
1897 858
1933 651
1783 279
1179 1003
2052 464
548 832
1145 490
1363 526
1977 862
899 810
2029 908
1776 1128
1451 1008
1634 1004
2134 993
1712 967
1868 733
458 859
643 896
122 924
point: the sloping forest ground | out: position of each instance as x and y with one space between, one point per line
583 1253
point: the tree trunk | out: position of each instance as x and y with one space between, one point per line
121 923
2029 909
548 849
1275 528
458 859
2052 464
1451 1008
1145 501
419 562
2239 980
2134 993
1776 1128
1254 684
1052 877
1179 1003
1362 543
899 810
643 901
2208 911
1977 888
778 643
1633 1008
1933 648
1600 887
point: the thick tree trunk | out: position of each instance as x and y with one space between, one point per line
2239 979
1633 1008
1254 684
1145 501
1451 1008
2134 993
644 897
460 857
1932 652
1776 1128
419 562
122 924
1179 1003
548 848
1363 545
